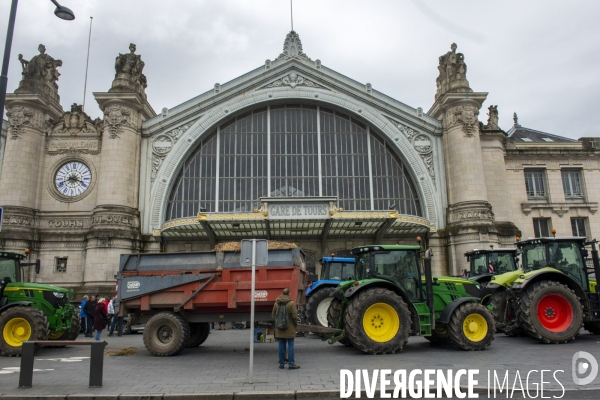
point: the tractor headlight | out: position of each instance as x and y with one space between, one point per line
58 295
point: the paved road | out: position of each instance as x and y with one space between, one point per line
220 365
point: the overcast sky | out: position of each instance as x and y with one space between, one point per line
540 58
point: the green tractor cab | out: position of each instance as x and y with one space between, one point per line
388 301
553 296
485 264
31 311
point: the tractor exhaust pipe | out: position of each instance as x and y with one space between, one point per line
429 286
596 262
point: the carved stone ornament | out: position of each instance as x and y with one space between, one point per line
40 75
163 144
452 73
129 76
465 115
292 80
292 48
421 143
18 117
74 133
115 117
492 122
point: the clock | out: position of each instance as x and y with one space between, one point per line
73 179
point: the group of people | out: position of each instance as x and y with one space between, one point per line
97 313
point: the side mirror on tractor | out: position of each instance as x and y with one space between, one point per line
312 278
36 264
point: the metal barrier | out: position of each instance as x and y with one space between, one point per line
96 359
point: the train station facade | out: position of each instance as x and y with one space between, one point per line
290 151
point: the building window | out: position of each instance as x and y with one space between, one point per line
61 264
541 227
535 184
572 184
578 227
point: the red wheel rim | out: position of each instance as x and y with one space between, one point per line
555 313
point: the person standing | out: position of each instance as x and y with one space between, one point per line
82 314
90 311
285 315
116 319
110 309
99 318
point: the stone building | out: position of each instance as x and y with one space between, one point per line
292 151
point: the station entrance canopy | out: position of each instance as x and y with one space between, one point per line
289 218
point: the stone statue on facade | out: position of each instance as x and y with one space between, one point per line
492 122
129 76
40 75
452 73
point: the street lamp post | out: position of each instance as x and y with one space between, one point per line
60 11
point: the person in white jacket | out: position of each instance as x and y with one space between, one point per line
110 311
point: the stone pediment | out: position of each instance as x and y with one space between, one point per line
293 80
74 132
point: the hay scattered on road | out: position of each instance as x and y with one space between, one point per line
236 246
128 351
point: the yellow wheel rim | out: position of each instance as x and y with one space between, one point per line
16 331
381 322
54 336
475 327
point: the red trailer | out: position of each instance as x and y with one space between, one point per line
177 295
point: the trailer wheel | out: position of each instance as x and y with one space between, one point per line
18 325
471 327
505 314
166 334
592 327
333 316
71 334
317 306
378 321
551 312
198 333
438 336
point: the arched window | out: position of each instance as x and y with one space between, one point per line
292 151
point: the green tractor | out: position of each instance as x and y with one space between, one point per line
31 311
486 263
552 296
388 301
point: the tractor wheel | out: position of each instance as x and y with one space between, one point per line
18 325
317 306
438 336
592 327
333 316
378 321
551 312
71 334
506 320
166 334
198 333
471 327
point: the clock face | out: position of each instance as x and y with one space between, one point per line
73 178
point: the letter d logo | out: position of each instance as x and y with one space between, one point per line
580 367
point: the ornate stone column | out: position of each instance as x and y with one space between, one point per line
30 111
469 215
115 220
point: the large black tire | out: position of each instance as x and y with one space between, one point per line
471 327
317 306
512 326
72 333
592 327
166 334
387 317
333 316
438 336
20 324
198 333
550 312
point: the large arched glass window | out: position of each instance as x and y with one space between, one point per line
292 151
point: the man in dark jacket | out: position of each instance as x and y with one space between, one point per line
90 311
286 336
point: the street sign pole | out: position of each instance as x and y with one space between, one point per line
252 312
1 215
